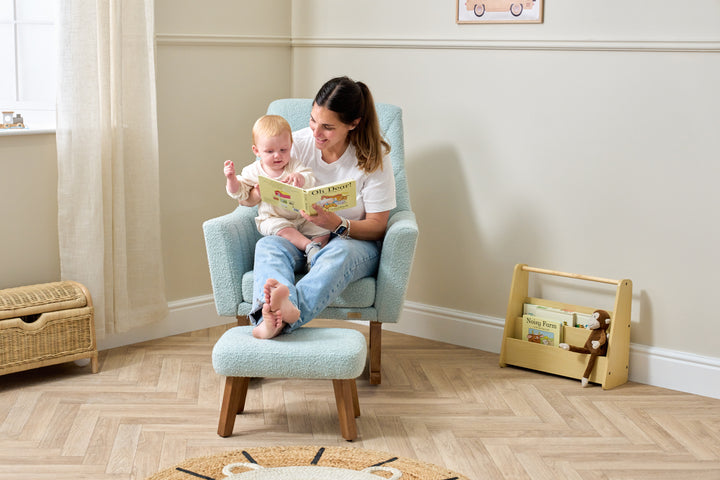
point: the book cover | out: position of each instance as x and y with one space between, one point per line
332 196
550 313
583 319
541 330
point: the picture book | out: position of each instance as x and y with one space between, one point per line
550 313
541 330
332 196
583 319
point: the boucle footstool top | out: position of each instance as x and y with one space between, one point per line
332 353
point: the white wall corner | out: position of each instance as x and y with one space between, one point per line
185 316
649 365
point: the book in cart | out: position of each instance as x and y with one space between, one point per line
542 330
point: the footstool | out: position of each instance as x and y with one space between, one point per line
336 354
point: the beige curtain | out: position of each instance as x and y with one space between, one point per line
108 192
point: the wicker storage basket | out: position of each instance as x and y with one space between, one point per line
46 324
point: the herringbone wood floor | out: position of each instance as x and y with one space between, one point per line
157 403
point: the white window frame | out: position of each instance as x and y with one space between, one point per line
38 116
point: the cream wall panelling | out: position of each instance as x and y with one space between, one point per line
481 44
437 43
186 39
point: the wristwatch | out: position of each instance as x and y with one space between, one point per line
343 230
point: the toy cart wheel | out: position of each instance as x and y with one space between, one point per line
479 9
516 9
21 125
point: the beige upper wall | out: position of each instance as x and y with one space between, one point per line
613 20
223 17
209 96
542 144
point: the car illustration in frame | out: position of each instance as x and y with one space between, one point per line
507 11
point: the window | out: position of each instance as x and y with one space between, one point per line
28 60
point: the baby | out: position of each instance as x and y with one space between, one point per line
272 144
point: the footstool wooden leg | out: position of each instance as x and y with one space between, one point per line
346 408
356 402
233 403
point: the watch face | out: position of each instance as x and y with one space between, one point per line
340 230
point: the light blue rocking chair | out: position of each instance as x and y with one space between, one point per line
230 242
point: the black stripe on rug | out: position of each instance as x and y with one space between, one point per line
250 459
317 456
384 462
193 473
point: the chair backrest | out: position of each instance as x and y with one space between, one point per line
297 112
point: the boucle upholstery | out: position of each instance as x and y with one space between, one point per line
328 353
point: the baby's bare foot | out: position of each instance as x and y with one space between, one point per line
270 284
271 325
279 300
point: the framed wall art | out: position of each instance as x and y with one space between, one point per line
499 11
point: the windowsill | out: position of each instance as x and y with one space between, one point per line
26 131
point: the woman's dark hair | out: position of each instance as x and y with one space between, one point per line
352 100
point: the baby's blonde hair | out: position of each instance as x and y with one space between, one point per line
270 126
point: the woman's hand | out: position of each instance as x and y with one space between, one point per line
371 228
323 219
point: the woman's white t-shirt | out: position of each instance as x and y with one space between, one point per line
375 191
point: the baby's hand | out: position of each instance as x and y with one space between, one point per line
229 169
295 179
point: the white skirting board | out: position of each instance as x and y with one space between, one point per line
185 315
655 366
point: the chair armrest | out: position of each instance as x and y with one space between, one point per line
396 259
230 243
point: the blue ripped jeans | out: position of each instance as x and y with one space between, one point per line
338 263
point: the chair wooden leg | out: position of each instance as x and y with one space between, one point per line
375 352
233 403
346 408
242 320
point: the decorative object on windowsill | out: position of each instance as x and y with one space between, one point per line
12 120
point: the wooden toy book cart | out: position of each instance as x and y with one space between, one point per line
610 370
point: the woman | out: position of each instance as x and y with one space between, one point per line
342 142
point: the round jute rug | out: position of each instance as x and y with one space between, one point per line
305 463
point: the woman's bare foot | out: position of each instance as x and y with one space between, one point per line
277 296
271 326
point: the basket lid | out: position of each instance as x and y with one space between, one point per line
45 297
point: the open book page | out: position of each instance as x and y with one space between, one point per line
332 196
